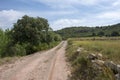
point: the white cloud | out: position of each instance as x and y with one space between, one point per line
98 19
58 24
8 17
57 13
69 3
67 13
109 15
116 3
90 2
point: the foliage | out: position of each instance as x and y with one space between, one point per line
101 33
14 51
82 31
115 33
4 39
30 30
28 35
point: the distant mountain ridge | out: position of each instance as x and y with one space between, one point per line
110 30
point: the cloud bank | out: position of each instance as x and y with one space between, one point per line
65 13
8 17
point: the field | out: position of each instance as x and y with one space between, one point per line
82 68
109 48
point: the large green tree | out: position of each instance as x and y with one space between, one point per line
115 33
29 29
30 32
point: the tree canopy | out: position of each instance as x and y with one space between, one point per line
29 29
28 35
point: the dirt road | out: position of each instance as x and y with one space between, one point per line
46 65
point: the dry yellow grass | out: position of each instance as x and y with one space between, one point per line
109 48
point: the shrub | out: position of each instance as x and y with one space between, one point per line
115 33
42 46
4 39
14 50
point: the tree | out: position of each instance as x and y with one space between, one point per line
93 34
115 33
101 33
28 35
29 29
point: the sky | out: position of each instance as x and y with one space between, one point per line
61 13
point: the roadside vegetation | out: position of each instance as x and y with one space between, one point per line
82 68
108 47
28 35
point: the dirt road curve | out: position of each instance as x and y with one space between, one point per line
46 65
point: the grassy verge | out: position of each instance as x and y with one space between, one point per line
82 68
109 48
8 60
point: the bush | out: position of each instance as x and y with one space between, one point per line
4 39
30 49
42 46
115 33
14 50
18 50
52 44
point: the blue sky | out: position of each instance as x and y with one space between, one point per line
61 13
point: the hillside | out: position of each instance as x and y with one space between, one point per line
111 30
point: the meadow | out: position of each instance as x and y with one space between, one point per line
110 48
82 68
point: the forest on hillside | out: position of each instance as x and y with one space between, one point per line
81 31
